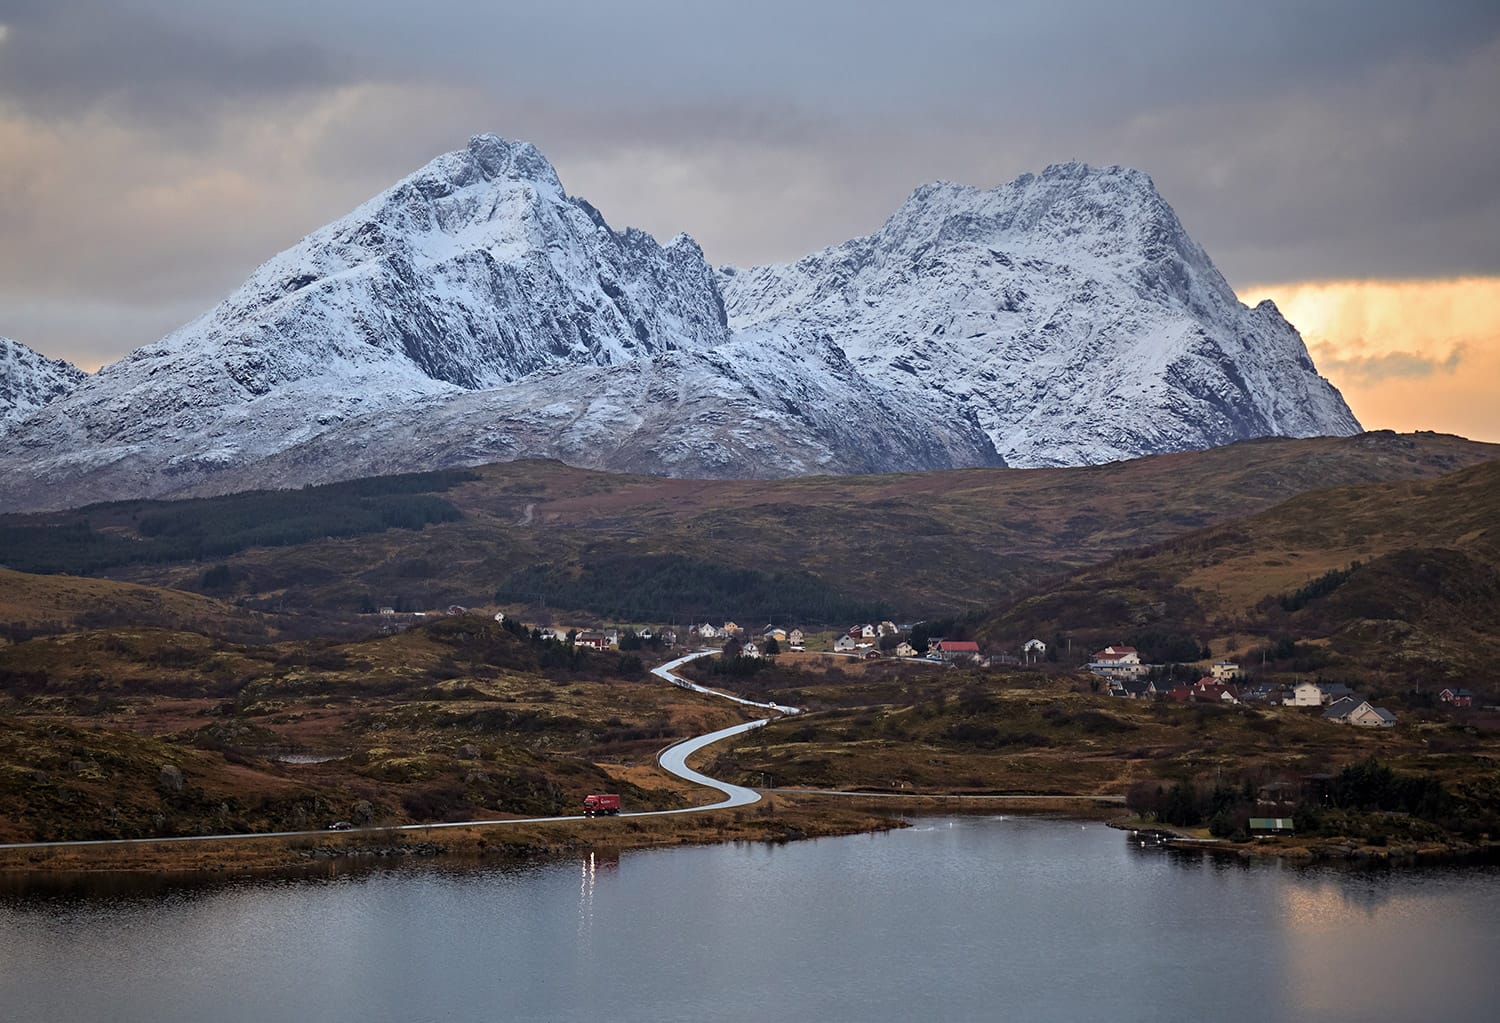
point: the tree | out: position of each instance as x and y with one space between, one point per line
919 638
732 648
772 647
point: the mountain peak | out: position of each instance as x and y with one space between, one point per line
505 158
29 380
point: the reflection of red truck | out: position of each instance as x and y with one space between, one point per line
600 803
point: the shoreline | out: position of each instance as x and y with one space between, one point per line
518 840
1320 849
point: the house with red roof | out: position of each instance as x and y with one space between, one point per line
1118 662
957 649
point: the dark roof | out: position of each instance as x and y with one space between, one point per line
1343 706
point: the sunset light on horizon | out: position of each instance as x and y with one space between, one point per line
1406 354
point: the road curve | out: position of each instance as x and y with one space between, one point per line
673 760
665 672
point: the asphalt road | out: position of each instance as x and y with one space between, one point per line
673 760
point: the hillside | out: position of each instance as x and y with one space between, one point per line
33 605
646 548
1400 579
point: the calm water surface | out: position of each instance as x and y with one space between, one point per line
954 919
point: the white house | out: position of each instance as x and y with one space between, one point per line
794 637
1118 662
1306 694
845 643
905 649
750 649
867 632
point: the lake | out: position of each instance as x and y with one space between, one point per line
953 919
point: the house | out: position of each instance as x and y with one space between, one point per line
750 649
957 649
560 635
730 629
1225 671
1161 688
1268 693
386 610
1209 691
1131 689
500 616
795 637
1034 650
887 629
867 632
905 649
595 640
457 609
1271 826
1367 716
872 654
1118 662
1318 694
779 635
705 631
612 637
1356 710
844 644
1457 697
1306 694
668 637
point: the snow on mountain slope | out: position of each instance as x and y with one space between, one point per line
473 272
1070 313
745 410
476 312
29 380
472 312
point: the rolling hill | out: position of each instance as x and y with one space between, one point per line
1398 579
821 549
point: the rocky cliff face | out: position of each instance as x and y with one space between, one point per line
29 380
1069 313
475 311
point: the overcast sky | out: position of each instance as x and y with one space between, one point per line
153 153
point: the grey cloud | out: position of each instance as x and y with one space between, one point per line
1373 369
1336 139
67 57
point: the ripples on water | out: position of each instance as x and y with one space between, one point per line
961 919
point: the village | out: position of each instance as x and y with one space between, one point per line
1116 670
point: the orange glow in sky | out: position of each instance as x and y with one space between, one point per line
1407 355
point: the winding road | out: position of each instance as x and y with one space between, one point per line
673 760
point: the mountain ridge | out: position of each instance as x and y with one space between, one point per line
475 311
29 380
1103 330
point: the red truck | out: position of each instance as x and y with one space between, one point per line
600 803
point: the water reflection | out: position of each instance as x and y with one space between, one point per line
961 918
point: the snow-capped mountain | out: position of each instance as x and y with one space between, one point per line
1069 312
476 312
472 312
29 380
